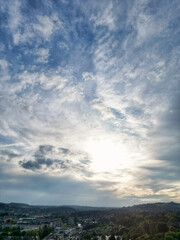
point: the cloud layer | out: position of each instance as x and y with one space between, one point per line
89 102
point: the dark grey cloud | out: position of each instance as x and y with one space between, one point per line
49 157
65 150
117 114
40 158
9 154
162 174
33 165
166 136
43 149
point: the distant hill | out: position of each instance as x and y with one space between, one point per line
72 207
153 207
20 208
86 208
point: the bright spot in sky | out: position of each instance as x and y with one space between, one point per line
108 155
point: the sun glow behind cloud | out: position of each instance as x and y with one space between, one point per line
109 154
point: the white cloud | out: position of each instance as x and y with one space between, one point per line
63 46
105 18
24 29
4 64
46 25
2 47
42 55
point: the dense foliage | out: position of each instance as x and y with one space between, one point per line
147 226
17 233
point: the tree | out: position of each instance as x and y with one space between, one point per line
16 232
112 237
162 227
32 233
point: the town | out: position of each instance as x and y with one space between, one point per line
25 222
51 227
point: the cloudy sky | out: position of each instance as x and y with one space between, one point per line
89 101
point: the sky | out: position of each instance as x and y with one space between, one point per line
89 102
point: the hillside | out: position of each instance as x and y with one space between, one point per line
66 210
